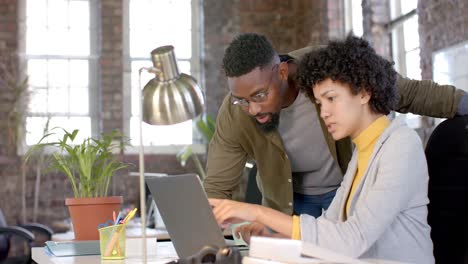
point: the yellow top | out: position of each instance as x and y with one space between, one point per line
365 144
296 231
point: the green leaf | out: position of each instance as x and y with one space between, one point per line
206 126
184 154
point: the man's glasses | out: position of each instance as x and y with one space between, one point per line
258 97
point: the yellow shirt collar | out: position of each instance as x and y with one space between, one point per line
371 133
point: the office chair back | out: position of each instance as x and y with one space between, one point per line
16 241
447 159
4 239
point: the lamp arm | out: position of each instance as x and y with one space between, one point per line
150 70
142 163
154 70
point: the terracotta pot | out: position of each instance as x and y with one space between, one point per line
87 213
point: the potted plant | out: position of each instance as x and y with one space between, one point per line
89 166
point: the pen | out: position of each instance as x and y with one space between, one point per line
118 218
129 216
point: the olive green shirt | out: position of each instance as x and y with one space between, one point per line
238 139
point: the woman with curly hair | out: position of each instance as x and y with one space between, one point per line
380 209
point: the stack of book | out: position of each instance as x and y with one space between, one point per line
264 250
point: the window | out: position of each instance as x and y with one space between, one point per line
405 44
405 39
59 57
354 20
151 24
449 65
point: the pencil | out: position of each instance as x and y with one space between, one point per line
113 240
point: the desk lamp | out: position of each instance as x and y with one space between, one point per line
169 98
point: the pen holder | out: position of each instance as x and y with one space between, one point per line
112 242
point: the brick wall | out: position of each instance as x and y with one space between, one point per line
441 24
218 31
8 73
290 24
10 182
336 19
111 65
376 14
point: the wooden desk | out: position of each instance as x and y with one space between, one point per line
157 252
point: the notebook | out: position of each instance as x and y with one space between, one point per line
185 210
73 248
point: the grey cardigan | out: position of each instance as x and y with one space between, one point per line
388 213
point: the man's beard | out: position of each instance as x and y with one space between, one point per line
271 125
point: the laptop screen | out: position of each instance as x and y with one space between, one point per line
185 210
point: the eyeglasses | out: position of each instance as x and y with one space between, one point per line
258 97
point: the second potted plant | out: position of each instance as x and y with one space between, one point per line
89 166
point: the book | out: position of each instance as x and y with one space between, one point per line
252 260
312 250
279 250
73 248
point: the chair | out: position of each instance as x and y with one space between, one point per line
447 159
16 241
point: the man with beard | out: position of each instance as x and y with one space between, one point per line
299 164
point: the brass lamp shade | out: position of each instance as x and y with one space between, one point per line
170 97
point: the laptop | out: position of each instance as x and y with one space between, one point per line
185 210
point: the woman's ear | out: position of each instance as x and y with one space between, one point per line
364 96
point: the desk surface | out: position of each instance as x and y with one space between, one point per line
131 232
157 252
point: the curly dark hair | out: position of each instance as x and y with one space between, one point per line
247 52
353 62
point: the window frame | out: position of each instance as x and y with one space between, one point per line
396 29
398 50
93 67
349 18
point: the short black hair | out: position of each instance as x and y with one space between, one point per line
354 62
247 52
